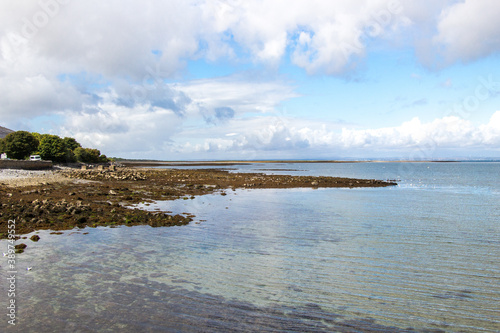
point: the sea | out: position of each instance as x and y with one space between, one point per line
422 256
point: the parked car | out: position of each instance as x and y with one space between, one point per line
35 158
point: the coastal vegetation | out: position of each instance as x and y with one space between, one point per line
21 144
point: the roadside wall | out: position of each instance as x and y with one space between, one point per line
25 165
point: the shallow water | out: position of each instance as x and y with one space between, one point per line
420 256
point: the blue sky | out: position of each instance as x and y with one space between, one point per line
221 79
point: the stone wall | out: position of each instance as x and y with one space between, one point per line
25 165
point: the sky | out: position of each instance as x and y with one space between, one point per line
256 79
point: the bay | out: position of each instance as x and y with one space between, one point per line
420 256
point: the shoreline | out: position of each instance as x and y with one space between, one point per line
71 198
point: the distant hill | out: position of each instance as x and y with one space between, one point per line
4 131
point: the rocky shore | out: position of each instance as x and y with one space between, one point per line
69 198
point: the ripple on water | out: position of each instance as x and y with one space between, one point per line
387 260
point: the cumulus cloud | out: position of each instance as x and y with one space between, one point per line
131 44
114 71
119 130
468 30
143 128
306 139
100 38
122 38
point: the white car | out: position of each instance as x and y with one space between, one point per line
35 158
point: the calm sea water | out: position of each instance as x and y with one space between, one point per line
422 256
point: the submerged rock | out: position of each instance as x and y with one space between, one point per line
20 247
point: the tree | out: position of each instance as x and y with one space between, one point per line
71 143
88 155
103 159
37 136
52 148
19 145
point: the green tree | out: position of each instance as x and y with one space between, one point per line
52 148
71 143
103 159
93 155
37 136
80 154
88 155
20 144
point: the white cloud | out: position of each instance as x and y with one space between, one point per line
240 93
468 30
131 41
145 127
101 66
123 131
298 138
116 38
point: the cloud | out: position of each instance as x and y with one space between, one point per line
319 36
142 128
295 137
144 43
468 30
122 131
114 72
241 93
156 94
31 96
98 38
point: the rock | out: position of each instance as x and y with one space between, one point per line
314 183
81 220
35 238
112 192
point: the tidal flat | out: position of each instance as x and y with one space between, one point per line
91 198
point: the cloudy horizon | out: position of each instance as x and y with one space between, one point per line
230 79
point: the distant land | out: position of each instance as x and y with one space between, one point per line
152 163
4 132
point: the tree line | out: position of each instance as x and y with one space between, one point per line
21 144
